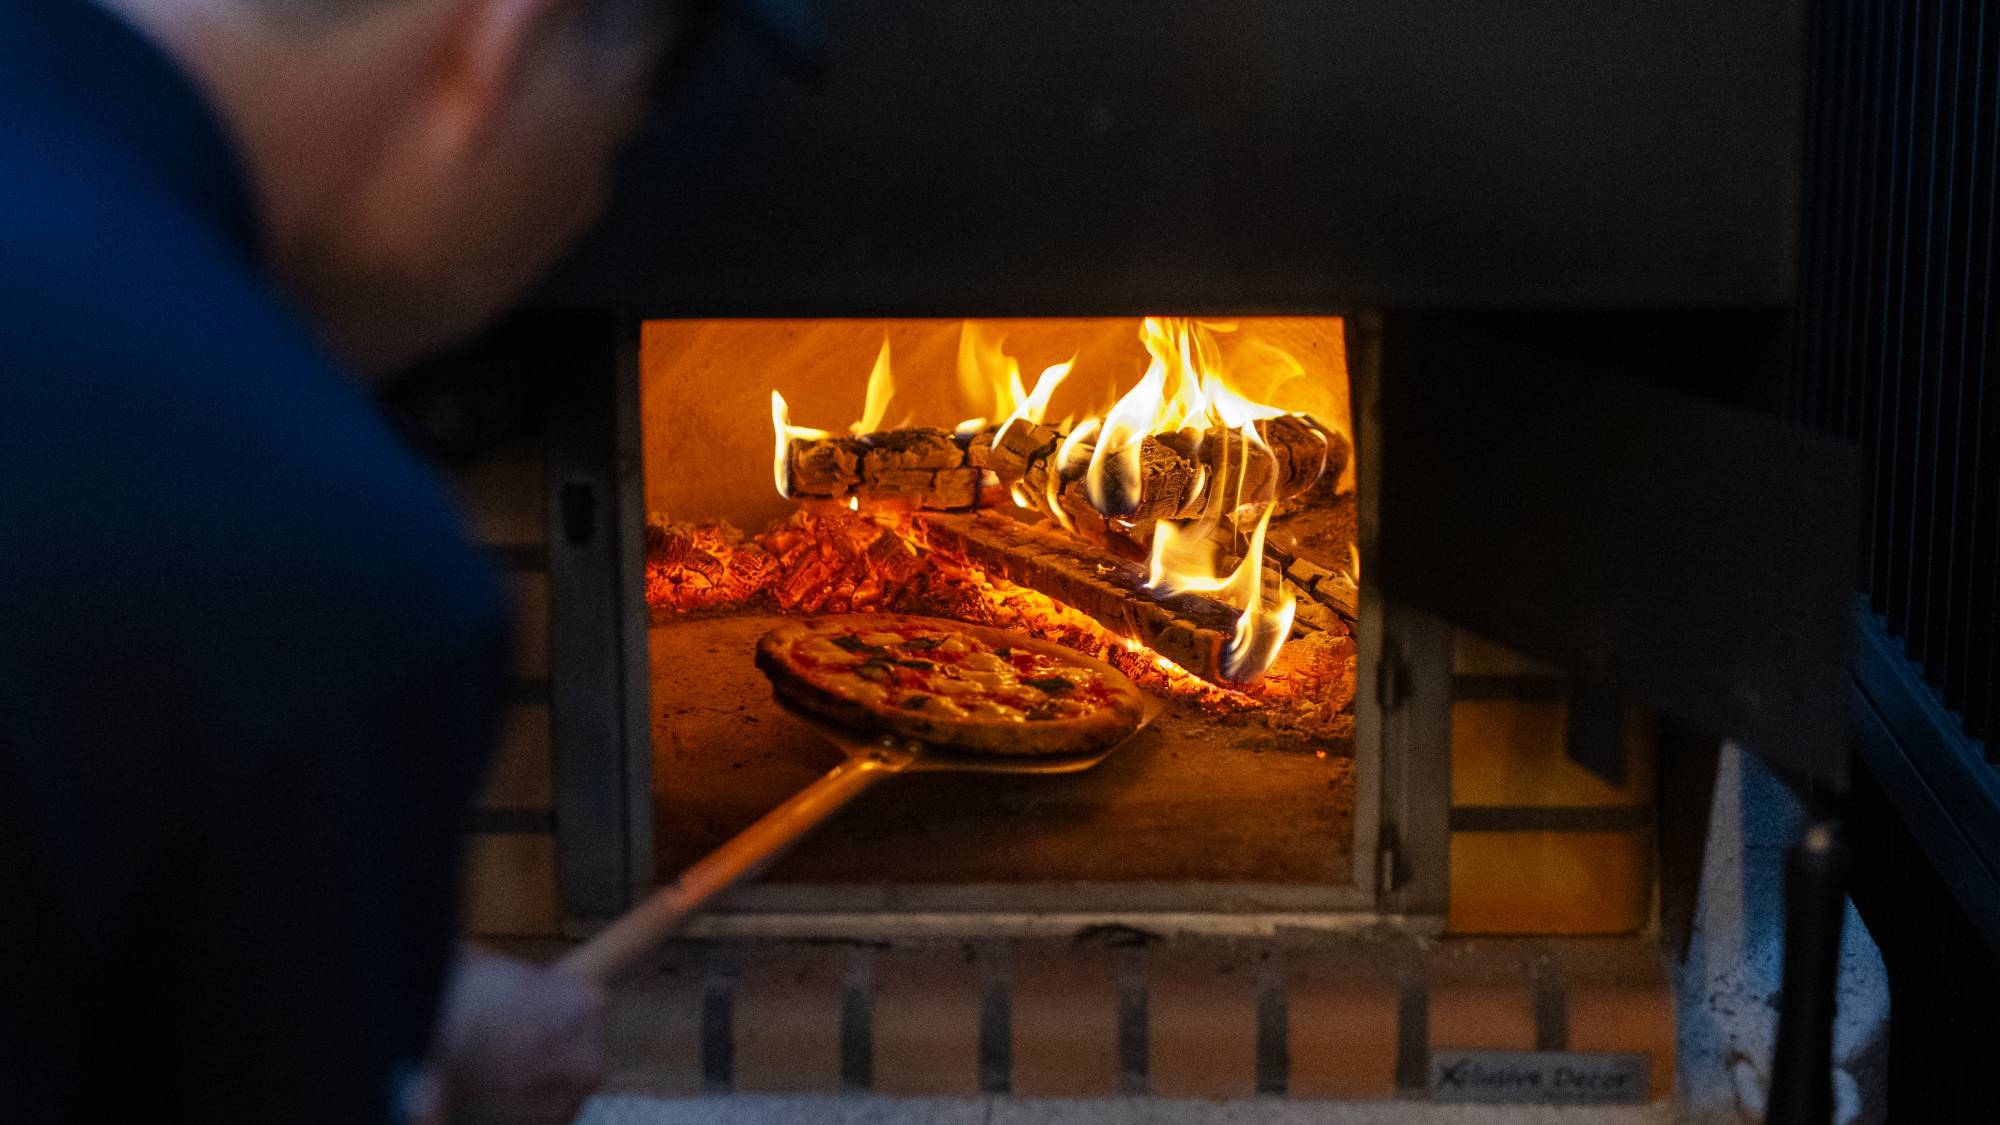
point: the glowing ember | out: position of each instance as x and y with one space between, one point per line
702 566
826 559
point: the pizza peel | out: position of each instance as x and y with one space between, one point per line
635 934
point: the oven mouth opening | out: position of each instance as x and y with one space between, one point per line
1175 496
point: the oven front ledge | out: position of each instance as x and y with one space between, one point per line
976 909
894 926
1374 1015
628 1108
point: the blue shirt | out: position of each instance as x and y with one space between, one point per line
249 663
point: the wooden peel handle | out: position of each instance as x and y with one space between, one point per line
627 941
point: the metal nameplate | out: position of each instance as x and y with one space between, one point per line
1545 1077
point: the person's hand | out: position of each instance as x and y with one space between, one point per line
517 1044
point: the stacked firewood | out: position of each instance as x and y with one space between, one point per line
940 470
1178 473
921 468
1177 477
1090 557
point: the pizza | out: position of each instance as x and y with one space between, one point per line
963 687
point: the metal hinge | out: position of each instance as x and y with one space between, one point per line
1392 682
1388 861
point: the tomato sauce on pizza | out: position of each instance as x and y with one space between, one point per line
944 681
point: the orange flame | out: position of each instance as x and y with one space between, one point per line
1187 388
881 388
991 380
1036 405
786 434
874 407
1183 388
1184 562
1066 455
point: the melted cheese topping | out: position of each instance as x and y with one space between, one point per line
947 675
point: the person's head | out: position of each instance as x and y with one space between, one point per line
417 162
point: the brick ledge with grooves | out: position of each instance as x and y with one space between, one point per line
1350 1019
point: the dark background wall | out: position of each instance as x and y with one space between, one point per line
1896 353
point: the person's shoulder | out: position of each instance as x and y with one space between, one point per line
184 431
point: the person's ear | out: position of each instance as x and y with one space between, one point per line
483 53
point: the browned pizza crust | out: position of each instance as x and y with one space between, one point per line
1103 726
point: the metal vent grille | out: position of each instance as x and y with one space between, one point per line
1897 348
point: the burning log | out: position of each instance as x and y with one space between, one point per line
1190 630
1176 471
1327 599
923 468
940 471
935 470
1320 590
1173 486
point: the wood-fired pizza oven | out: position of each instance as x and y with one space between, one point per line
1519 279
